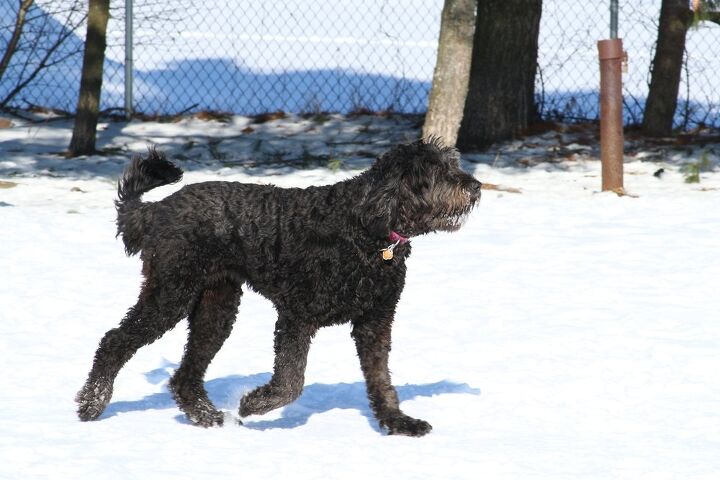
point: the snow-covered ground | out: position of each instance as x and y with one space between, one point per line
562 333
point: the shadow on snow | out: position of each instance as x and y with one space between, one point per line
316 398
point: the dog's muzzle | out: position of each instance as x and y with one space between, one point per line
475 189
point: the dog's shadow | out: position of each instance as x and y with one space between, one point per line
316 398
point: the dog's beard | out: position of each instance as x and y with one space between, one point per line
452 222
449 220
446 212
455 216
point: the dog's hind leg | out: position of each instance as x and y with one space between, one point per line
292 343
156 312
210 322
372 340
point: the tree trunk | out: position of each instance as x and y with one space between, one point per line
500 100
85 129
452 71
675 17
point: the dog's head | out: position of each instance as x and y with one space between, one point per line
419 188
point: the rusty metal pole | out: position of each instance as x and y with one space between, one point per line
611 107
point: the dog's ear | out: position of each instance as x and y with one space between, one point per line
377 208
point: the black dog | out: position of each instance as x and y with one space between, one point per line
323 255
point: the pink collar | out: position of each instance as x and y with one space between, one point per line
396 238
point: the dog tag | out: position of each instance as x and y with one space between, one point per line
387 253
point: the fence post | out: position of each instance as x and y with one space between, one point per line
613 18
128 58
611 106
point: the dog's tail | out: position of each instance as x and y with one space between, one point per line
142 175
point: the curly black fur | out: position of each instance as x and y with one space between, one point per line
314 252
141 176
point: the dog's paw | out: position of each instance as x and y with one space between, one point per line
255 402
266 398
93 398
206 417
199 410
404 425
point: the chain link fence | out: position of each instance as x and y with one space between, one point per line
295 56
568 78
342 56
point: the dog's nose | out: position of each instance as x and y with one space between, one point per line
475 188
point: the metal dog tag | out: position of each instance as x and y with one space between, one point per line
387 253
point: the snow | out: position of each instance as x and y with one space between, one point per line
562 333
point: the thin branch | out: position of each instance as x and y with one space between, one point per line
44 63
15 38
70 25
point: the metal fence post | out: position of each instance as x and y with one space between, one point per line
611 106
613 18
128 58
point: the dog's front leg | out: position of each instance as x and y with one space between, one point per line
292 343
372 340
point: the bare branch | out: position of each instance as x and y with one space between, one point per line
15 38
42 64
38 56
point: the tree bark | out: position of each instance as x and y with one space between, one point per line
85 128
452 71
675 18
500 101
